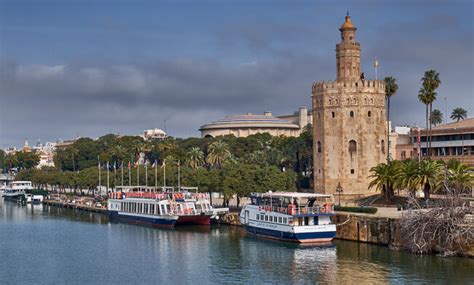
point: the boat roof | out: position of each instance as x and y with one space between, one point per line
293 195
20 182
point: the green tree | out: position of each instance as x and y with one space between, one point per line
460 177
407 176
428 174
458 114
218 153
27 160
195 158
384 177
436 117
391 88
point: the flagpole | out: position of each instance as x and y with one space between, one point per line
179 176
146 174
376 65
164 173
100 186
156 176
115 175
138 173
130 172
107 191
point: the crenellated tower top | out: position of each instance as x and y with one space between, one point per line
348 53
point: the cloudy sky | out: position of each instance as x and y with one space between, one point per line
73 68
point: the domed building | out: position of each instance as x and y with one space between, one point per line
250 124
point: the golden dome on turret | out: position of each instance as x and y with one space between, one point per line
347 24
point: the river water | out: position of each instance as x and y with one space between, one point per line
41 244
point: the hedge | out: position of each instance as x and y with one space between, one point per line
368 210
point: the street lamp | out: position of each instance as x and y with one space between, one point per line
339 190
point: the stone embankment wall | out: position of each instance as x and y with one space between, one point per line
376 230
356 227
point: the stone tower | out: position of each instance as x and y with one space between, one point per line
349 122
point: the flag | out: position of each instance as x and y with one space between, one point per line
164 163
136 164
154 164
376 63
108 165
129 165
121 164
115 165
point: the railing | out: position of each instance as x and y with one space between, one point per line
301 210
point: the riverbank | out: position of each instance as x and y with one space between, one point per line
382 228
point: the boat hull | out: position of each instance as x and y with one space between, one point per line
12 198
194 220
307 237
155 222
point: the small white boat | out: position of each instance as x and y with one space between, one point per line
290 216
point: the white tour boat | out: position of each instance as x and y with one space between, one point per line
290 216
17 189
167 208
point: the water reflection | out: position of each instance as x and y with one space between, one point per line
83 247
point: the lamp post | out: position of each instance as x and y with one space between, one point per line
339 190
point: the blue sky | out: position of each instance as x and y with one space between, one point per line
86 68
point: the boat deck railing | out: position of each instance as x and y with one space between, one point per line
301 210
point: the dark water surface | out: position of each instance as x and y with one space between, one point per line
40 244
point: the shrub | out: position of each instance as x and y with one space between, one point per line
368 210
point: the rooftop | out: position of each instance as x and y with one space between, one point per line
250 119
462 124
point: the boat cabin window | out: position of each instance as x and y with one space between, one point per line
257 217
279 220
266 218
284 220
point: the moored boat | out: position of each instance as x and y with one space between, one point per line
288 216
17 189
142 205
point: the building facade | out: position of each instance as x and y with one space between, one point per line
349 122
448 141
152 134
250 124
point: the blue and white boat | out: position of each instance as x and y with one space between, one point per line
140 208
290 216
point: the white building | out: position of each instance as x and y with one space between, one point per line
152 134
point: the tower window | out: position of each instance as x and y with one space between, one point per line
333 114
351 114
352 146
352 171
382 147
319 116
369 114
319 147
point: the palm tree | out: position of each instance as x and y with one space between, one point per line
436 117
427 95
218 153
384 178
458 114
460 177
195 158
407 176
427 175
74 152
391 88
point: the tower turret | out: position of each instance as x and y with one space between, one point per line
348 53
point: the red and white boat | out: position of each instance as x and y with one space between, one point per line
189 207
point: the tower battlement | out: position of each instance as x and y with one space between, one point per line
370 86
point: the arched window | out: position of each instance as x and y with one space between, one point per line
369 114
333 114
352 146
319 147
351 114
382 147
